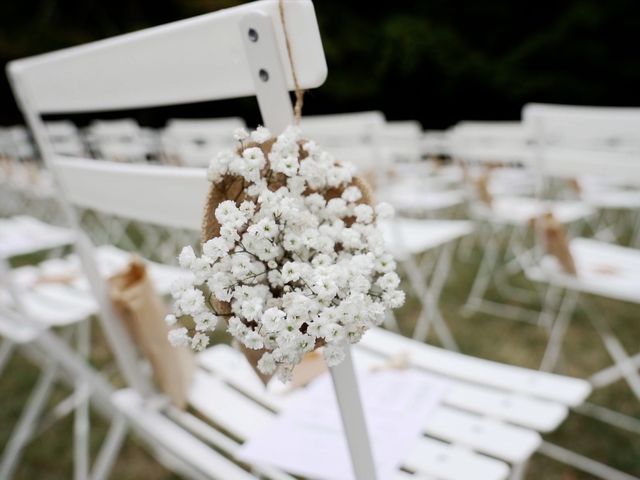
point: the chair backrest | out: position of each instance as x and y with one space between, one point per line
162 195
65 138
401 141
235 52
575 140
482 142
193 142
353 137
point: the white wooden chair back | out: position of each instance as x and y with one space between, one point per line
435 143
193 142
65 138
483 142
401 141
166 196
121 140
570 141
236 52
352 137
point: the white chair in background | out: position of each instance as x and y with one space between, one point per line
487 398
66 139
194 142
379 149
121 140
30 293
578 140
504 226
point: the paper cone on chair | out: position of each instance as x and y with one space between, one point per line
556 242
143 311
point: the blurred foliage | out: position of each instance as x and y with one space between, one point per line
437 61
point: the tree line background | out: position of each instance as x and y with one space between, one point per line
436 61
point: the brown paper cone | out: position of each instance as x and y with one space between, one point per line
556 242
143 312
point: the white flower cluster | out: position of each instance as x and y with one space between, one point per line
299 260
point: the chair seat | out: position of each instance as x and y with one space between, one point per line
22 235
613 199
409 237
604 269
520 210
420 201
55 293
244 415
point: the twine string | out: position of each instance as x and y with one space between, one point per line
297 109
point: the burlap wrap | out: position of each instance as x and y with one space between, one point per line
232 187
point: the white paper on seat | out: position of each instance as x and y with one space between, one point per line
307 438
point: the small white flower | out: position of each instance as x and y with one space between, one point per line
267 364
215 248
333 355
352 194
364 213
384 211
252 340
260 135
240 134
187 257
199 341
170 320
178 337
388 281
191 301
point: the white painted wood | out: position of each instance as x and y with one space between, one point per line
565 390
194 142
154 424
22 234
249 418
603 269
196 59
578 140
483 434
139 192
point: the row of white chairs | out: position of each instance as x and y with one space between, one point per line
491 420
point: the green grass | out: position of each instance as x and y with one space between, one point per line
48 457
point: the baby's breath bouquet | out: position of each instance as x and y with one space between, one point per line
291 260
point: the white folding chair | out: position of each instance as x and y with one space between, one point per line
579 140
504 226
172 60
27 295
194 142
377 147
493 411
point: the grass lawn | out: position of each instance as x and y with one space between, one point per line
48 457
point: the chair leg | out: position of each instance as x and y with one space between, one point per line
430 314
26 423
558 331
110 447
614 347
352 414
518 471
6 349
483 276
613 373
81 418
